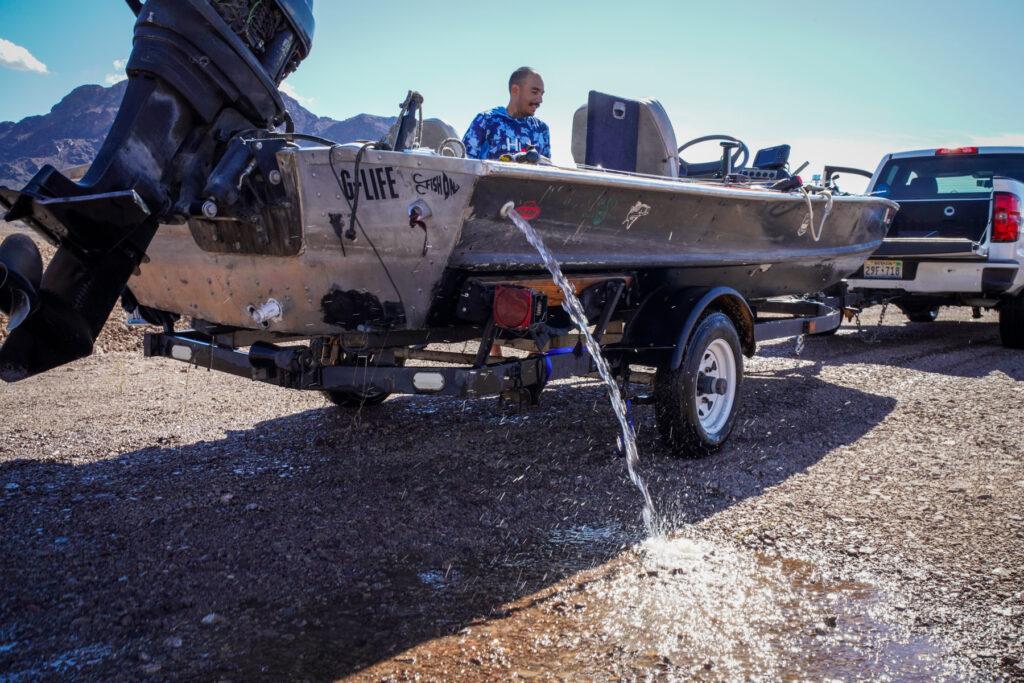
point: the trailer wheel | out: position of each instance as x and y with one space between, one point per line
696 404
1011 323
360 399
920 314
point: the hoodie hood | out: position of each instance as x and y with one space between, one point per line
503 113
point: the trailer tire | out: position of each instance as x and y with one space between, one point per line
1011 323
360 399
354 399
692 416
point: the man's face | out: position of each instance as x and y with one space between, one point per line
528 95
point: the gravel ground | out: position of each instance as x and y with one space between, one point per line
864 522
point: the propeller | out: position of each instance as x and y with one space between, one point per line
21 272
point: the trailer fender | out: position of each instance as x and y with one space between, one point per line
666 319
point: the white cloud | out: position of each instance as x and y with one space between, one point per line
289 89
1001 140
18 58
118 75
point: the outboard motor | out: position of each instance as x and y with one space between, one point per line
201 74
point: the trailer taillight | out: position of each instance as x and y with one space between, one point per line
513 307
1005 217
943 151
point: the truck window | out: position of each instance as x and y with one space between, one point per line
947 177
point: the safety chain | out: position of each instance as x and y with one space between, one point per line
875 337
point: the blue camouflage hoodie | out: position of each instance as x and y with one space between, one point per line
495 132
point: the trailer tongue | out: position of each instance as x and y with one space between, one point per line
176 112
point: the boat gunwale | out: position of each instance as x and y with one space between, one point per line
585 175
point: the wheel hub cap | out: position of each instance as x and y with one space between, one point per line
716 384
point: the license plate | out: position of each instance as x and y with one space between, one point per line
886 270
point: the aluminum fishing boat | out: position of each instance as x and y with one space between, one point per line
198 205
396 255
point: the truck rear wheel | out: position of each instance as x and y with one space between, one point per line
920 314
696 404
1011 323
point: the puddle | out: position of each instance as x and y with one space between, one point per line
69 663
719 611
584 535
421 407
439 580
678 608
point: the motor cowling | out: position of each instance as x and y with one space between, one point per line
200 73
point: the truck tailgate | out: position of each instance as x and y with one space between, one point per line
946 219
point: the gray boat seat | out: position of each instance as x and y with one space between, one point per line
624 135
436 131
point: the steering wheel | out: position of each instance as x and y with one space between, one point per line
739 158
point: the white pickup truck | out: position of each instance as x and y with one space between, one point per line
957 238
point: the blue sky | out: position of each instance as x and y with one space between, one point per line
842 82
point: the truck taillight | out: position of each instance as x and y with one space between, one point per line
1005 217
943 151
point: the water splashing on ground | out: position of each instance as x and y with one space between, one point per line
717 611
575 310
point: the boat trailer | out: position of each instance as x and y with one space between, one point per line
466 376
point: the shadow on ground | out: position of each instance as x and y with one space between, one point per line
323 542
949 347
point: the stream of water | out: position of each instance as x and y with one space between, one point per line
575 310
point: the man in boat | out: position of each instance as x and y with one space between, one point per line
508 131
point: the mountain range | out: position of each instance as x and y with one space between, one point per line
73 131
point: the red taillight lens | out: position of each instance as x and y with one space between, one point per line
942 151
513 307
1005 217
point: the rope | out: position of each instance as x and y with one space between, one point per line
815 233
825 213
419 127
810 214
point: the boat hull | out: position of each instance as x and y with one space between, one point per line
760 243
396 274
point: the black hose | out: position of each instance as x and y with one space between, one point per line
351 233
355 221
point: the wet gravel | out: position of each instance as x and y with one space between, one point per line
864 522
